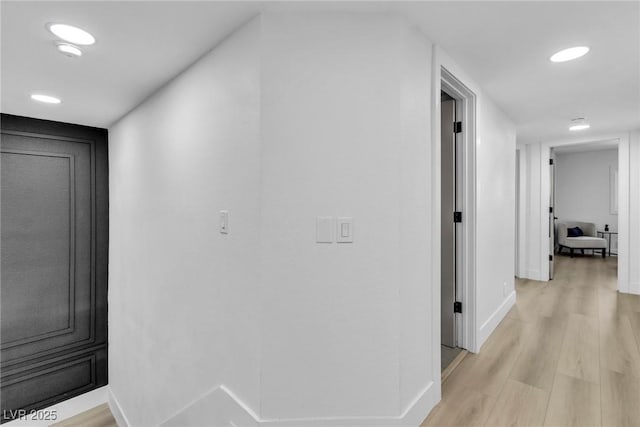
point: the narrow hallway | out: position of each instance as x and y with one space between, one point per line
567 354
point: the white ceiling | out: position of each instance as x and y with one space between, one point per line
140 46
589 146
504 45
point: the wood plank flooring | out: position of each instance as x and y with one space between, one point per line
567 354
100 416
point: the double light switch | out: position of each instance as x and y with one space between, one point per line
328 229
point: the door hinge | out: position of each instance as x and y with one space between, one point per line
550 209
457 216
457 307
457 127
550 161
550 257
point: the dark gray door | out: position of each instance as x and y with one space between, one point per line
448 236
54 262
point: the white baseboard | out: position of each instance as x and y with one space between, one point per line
494 320
65 409
421 406
534 275
413 415
634 288
222 407
116 410
217 407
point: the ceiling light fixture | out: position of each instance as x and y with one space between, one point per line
71 34
45 98
69 50
579 124
569 54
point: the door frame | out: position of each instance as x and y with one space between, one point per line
517 221
552 213
446 80
623 202
453 232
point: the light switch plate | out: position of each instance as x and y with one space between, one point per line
325 228
344 230
224 222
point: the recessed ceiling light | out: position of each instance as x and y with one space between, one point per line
45 98
69 50
71 34
579 124
569 54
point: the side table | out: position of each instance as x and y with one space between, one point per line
607 235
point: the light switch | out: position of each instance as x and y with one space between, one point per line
345 230
325 229
224 222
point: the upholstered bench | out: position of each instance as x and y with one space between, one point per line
588 239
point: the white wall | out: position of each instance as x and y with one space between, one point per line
419 358
530 173
495 145
183 298
521 200
496 216
297 115
327 132
634 212
345 133
583 187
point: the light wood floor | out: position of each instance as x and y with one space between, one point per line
447 355
100 416
568 354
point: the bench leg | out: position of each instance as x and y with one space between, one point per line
571 252
604 253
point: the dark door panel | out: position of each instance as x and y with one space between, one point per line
54 259
60 378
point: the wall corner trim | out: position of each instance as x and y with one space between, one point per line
494 320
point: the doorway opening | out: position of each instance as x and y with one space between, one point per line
455 169
450 218
619 196
583 213
552 212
